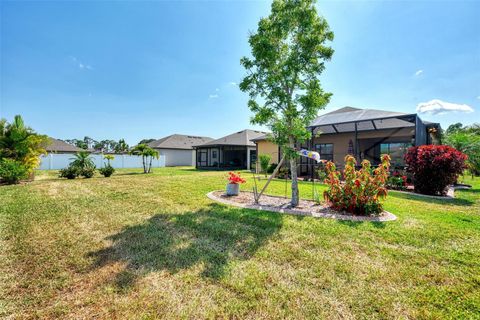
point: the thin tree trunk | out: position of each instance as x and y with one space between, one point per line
144 164
150 166
293 169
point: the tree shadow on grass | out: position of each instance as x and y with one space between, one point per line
356 224
419 198
210 237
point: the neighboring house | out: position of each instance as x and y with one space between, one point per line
178 149
364 133
235 151
59 146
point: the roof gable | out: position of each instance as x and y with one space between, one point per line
178 141
240 138
55 145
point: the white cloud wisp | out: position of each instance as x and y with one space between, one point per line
437 106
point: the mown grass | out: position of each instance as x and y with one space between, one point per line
153 246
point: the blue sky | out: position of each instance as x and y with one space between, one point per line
148 69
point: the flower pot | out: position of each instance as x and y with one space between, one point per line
233 189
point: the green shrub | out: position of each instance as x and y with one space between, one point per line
271 168
264 160
87 172
107 171
12 171
71 172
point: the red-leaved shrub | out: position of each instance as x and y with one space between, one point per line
362 189
434 167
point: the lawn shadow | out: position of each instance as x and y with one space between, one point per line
419 198
131 173
356 224
208 238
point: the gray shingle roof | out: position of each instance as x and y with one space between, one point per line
262 137
349 114
241 138
178 141
59 146
342 120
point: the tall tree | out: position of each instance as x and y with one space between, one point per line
288 55
121 146
146 141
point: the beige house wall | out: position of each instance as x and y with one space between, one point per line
270 148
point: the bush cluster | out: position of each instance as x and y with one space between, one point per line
12 171
434 167
397 181
106 171
361 190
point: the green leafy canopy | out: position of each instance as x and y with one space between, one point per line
288 55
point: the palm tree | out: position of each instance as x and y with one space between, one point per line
147 154
82 160
108 157
21 143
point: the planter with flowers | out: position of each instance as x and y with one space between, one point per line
233 185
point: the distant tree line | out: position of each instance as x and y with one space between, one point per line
88 143
467 140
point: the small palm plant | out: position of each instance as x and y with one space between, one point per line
147 154
84 164
82 160
107 170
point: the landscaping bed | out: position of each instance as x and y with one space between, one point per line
245 199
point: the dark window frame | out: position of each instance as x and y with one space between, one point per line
325 156
406 145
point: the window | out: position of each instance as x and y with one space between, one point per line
214 154
325 150
396 151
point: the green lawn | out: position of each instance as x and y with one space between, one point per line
147 246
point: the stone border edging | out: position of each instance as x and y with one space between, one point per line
388 216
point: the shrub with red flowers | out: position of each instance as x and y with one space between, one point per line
434 167
397 181
235 178
362 189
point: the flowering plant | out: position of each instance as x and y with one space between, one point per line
362 189
235 178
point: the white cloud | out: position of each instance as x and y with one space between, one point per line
232 83
437 106
478 97
419 72
217 89
213 96
80 64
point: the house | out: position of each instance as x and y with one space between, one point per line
60 146
364 133
178 148
235 151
